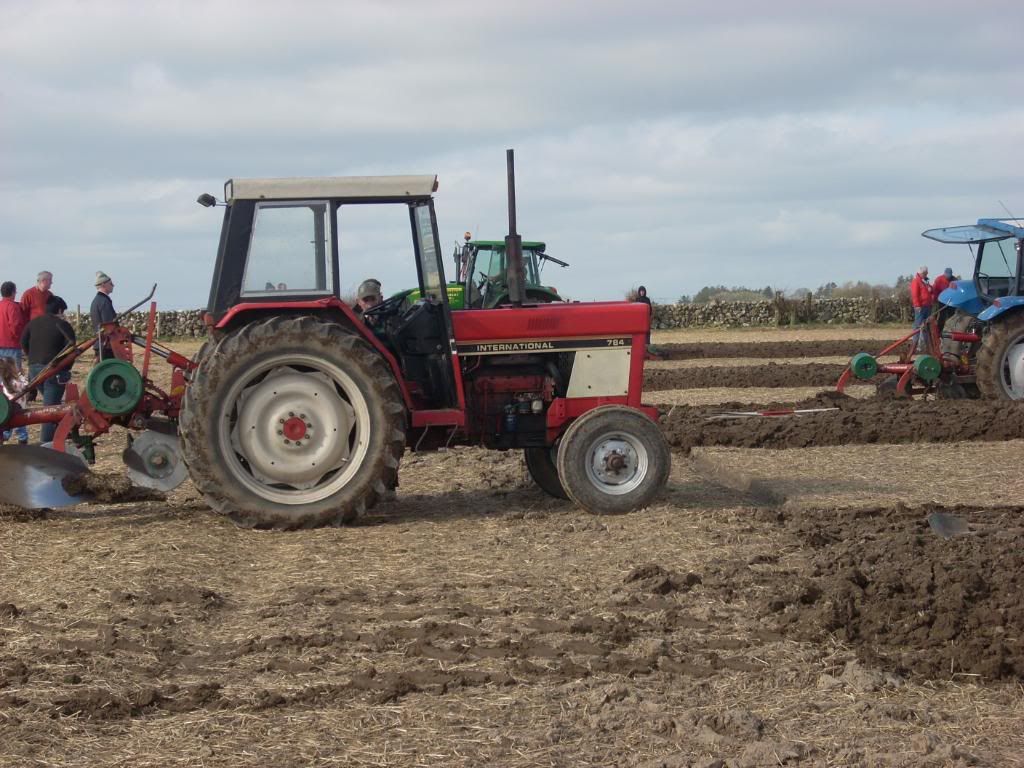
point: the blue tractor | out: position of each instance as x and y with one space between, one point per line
990 305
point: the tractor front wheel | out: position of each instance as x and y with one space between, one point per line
292 422
543 468
613 459
1000 370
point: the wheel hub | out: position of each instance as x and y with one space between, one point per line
616 463
293 428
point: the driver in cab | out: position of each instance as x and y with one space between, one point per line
367 297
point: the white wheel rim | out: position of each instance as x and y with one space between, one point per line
295 429
616 463
1012 369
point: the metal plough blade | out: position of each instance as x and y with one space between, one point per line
33 477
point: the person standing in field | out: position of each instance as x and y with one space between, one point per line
33 301
42 340
102 310
921 298
642 298
942 282
12 321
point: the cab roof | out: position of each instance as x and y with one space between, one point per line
356 188
984 231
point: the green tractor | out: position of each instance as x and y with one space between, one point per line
482 268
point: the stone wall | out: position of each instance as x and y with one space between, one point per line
181 324
734 314
730 314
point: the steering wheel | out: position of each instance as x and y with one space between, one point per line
387 307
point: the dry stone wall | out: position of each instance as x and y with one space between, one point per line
734 314
180 324
728 314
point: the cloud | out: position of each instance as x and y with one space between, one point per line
671 144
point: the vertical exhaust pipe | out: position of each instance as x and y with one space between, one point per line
513 242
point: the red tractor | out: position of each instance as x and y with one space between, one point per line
300 409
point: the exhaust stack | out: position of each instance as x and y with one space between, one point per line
513 241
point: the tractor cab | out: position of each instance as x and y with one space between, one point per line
281 250
997 264
483 272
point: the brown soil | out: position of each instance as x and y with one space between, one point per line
769 375
769 349
910 601
856 421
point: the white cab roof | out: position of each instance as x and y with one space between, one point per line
357 187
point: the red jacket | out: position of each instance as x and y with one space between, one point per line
33 303
12 321
920 292
941 283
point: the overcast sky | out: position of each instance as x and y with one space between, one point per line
674 144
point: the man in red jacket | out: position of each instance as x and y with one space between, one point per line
12 321
922 298
942 282
33 301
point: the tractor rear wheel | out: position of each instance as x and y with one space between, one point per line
613 459
543 468
292 422
1000 369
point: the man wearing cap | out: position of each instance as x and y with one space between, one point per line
102 309
368 295
942 282
33 301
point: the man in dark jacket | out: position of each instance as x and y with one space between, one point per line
102 309
42 340
641 296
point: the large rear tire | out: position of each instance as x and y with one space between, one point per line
613 459
1000 370
292 422
543 468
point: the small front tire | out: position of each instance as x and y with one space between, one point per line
613 459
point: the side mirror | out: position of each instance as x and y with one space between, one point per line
206 200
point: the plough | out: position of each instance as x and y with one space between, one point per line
115 393
921 367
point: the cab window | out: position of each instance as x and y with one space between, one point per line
289 250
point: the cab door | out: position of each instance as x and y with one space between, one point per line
425 340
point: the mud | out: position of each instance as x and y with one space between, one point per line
108 488
769 349
769 375
913 603
875 421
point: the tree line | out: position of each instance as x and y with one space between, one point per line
852 289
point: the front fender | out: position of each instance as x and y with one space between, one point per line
1001 305
963 295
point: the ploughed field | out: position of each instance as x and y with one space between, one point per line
784 603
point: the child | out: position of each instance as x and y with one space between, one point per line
13 381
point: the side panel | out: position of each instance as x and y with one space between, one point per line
600 373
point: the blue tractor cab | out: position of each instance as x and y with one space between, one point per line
991 303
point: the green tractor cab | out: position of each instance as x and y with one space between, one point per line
482 268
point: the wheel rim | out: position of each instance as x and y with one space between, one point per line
295 429
616 463
1012 369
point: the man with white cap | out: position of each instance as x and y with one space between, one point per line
102 309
